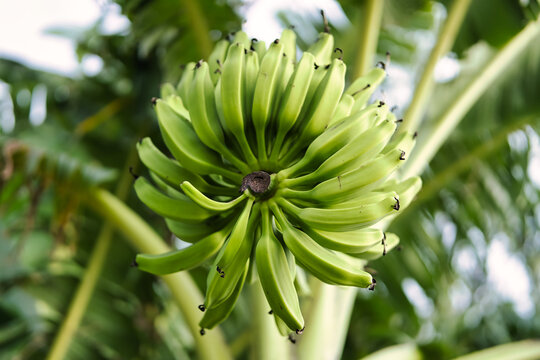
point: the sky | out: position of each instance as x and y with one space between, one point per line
25 36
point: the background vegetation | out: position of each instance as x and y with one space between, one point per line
477 218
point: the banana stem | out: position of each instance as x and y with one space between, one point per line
433 140
267 342
82 297
184 290
329 317
369 35
444 44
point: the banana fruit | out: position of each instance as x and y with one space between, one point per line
277 170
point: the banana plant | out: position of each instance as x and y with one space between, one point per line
284 175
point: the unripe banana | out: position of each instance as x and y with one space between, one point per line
275 277
322 49
277 172
232 99
181 209
185 81
329 266
292 101
265 94
216 58
184 259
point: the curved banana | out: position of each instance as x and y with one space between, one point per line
275 276
186 147
363 87
216 58
353 183
351 242
323 106
322 49
230 262
259 47
185 81
205 202
328 266
184 259
343 218
406 189
204 117
240 37
265 94
343 109
216 315
232 99
288 39
382 248
251 74
292 101
333 139
350 156
174 208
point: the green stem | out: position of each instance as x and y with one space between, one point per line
83 294
327 322
267 342
369 35
184 290
444 44
434 139
199 26
82 297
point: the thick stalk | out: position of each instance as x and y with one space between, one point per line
327 322
369 35
184 291
82 297
433 140
267 343
198 25
444 44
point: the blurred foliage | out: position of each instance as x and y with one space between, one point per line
478 190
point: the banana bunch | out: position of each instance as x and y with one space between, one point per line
275 164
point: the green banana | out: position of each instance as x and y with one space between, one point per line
288 39
221 312
185 81
351 184
265 93
184 259
230 262
292 101
186 147
382 248
322 49
406 189
206 203
181 209
351 242
275 276
216 58
232 99
259 47
343 218
322 107
204 117
343 109
363 87
333 139
328 266
351 156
